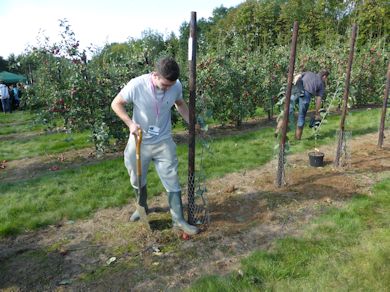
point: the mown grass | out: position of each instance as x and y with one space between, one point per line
7 129
30 140
17 117
344 250
42 144
77 193
65 195
18 122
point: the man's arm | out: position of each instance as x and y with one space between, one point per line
118 106
318 107
182 108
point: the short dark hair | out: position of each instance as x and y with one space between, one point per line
168 68
324 72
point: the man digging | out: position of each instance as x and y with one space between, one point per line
152 96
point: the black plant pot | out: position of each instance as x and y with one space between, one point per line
316 159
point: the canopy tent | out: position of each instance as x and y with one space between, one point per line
9 77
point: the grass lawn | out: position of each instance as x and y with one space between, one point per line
17 117
30 140
18 127
42 144
18 122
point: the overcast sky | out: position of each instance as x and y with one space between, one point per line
95 21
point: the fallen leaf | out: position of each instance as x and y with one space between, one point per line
3 164
63 251
110 260
65 282
230 189
185 236
61 158
156 251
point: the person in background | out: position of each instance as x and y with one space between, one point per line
5 97
308 84
153 96
11 97
16 91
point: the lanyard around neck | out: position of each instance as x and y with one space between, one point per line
157 103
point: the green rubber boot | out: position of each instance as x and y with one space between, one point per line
142 201
176 208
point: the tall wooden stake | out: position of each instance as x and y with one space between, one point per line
280 172
192 44
345 98
383 116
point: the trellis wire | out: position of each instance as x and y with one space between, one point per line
200 207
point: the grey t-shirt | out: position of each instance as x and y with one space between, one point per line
151 106
313 83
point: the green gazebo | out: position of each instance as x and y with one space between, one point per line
9 77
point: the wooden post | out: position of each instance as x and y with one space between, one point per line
280 172
345 98
383 116
192 44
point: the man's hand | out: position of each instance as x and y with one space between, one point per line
134 129
320 114
197 128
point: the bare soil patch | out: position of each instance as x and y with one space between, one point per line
247 213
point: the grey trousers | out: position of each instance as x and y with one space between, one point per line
165 160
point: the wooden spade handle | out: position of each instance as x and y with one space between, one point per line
138 140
